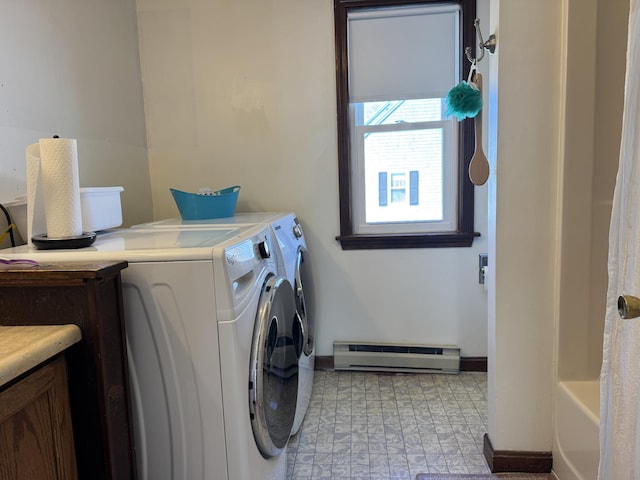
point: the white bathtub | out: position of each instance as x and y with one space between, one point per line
576 444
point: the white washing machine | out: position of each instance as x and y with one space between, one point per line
293 264
212 339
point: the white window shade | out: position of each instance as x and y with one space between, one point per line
403 53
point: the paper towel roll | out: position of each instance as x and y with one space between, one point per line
36 219
53 189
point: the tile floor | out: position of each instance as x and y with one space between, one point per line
378 426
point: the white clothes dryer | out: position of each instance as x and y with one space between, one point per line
290 252
240 220
212 387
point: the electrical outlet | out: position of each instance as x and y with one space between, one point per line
483 261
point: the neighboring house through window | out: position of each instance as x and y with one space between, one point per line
402 160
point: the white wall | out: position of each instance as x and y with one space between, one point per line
525 153
243 92
595 57
554 137
596 47
71 68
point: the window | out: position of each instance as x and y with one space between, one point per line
402 161
398 188
396 191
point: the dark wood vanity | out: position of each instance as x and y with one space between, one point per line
88 295
35 425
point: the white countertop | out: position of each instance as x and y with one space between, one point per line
22 348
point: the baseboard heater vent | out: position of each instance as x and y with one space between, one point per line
396 358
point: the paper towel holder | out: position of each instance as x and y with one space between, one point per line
42 242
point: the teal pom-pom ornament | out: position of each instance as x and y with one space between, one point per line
464 100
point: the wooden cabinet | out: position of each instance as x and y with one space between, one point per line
90 296
36 438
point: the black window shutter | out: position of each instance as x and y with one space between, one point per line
382 189
413 187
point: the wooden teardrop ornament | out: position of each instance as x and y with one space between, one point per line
479 166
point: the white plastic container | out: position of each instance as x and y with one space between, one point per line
101 208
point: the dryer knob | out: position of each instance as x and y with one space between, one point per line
263 249
297 231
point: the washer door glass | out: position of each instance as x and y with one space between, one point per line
273 383
303 290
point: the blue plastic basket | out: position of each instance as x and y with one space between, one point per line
194 206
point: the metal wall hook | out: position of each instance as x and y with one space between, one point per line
490 44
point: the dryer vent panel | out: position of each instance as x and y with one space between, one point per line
385 357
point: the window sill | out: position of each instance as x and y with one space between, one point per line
416 240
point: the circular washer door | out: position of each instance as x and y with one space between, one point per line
273 381
304 304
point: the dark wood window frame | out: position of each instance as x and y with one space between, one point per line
464 235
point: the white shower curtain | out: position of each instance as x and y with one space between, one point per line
620 379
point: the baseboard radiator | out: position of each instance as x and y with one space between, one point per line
386 357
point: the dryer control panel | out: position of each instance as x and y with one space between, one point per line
243 263
245 256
